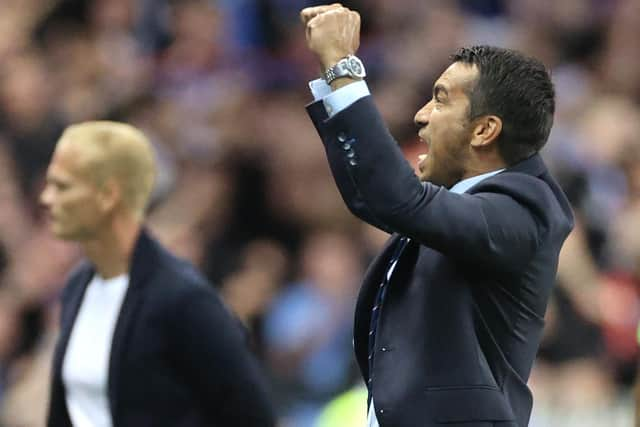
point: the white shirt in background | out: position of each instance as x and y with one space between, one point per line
85 369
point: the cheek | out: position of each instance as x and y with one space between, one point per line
448 133
81 210
440 150
442 127
88 213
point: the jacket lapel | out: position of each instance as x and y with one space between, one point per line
366 299
77 289
142 262
72 299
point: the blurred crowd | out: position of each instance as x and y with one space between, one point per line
244 190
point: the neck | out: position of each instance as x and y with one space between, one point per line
111 250
486 165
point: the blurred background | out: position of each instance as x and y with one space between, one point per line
245 192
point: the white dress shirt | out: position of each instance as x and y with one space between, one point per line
85 369
336 101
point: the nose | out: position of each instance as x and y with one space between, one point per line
421 119
46 197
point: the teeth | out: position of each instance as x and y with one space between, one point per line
421 157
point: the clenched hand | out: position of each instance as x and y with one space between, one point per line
332 32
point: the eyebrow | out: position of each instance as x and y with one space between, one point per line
439 89
54 179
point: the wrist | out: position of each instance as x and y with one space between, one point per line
344 71
342 82
328 61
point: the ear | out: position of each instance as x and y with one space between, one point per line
486 130
109 195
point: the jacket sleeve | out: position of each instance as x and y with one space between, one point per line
498 227
213 355
339 162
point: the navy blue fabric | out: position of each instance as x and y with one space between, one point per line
178 356
377 307
464 310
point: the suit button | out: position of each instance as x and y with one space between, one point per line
342 137
384 349
382 411
353 162
351 154
346 146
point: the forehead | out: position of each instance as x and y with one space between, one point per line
459 76
70 159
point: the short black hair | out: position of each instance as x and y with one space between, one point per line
516 88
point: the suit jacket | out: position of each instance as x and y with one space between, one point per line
178 357
463 315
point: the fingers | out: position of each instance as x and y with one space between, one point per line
355 18
323 16
332 32
341 14
308 13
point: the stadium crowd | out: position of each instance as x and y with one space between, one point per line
245 193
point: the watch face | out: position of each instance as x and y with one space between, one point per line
356 66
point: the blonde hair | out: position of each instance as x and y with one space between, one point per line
119 151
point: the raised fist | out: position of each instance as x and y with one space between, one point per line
332 32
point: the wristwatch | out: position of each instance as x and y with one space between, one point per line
351 66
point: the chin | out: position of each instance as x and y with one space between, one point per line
56 231
426 177
63 236
423 175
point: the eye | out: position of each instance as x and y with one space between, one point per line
440 98
59 185
439 95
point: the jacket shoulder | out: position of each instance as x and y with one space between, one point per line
177 274
541 195
186 288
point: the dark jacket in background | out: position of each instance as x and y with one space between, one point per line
178 357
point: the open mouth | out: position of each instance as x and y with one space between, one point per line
422 157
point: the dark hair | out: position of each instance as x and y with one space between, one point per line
515 88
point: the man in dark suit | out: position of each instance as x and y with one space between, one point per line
145 340
450 314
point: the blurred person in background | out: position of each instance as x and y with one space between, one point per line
28 117
144 339
450 316
250 290
307 333
9 334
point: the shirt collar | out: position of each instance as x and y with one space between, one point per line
465 184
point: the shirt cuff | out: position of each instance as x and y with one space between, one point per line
319 89
338 100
